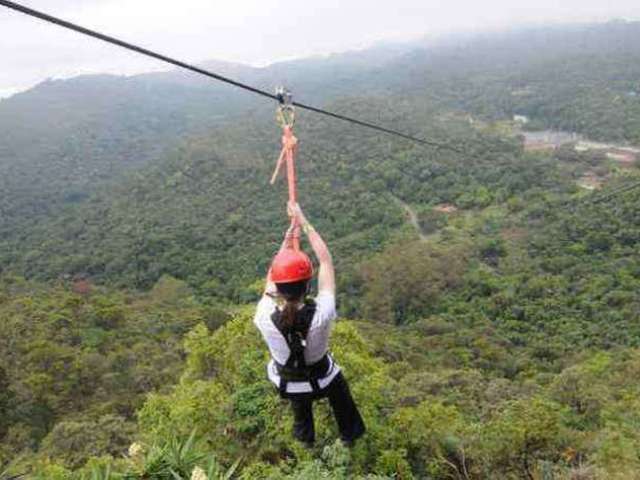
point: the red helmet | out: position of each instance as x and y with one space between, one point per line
290 266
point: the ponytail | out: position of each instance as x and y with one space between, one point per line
289 313
293 293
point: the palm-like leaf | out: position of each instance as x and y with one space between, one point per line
183 456
101 473
176 459
5 475
215 471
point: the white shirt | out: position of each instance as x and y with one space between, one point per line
317 341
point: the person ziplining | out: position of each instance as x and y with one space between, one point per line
295 327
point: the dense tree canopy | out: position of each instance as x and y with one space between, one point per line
489 302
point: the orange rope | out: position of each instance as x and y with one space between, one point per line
288 155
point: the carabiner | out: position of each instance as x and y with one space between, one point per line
285 115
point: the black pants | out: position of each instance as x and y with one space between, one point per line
350 422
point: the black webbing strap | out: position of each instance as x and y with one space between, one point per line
296 368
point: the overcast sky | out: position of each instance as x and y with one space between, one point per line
252 31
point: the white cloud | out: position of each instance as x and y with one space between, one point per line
7 92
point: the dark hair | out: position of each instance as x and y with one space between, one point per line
293 293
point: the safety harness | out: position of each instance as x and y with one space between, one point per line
296 368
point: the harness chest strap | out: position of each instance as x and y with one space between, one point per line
296 368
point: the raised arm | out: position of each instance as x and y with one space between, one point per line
326 273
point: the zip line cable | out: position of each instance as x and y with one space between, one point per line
596 198
616 192
581 203
573 204
149 53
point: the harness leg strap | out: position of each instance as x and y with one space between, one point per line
314 385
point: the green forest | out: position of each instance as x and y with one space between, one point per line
496 338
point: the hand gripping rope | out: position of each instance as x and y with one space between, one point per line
285 116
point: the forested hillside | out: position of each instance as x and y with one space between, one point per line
489 302
578 78
515 355
65 138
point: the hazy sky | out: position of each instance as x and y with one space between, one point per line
251 31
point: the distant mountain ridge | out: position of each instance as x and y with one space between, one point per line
91 128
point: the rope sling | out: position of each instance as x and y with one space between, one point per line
285 115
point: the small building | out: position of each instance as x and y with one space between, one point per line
621 156
617 153
548 139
